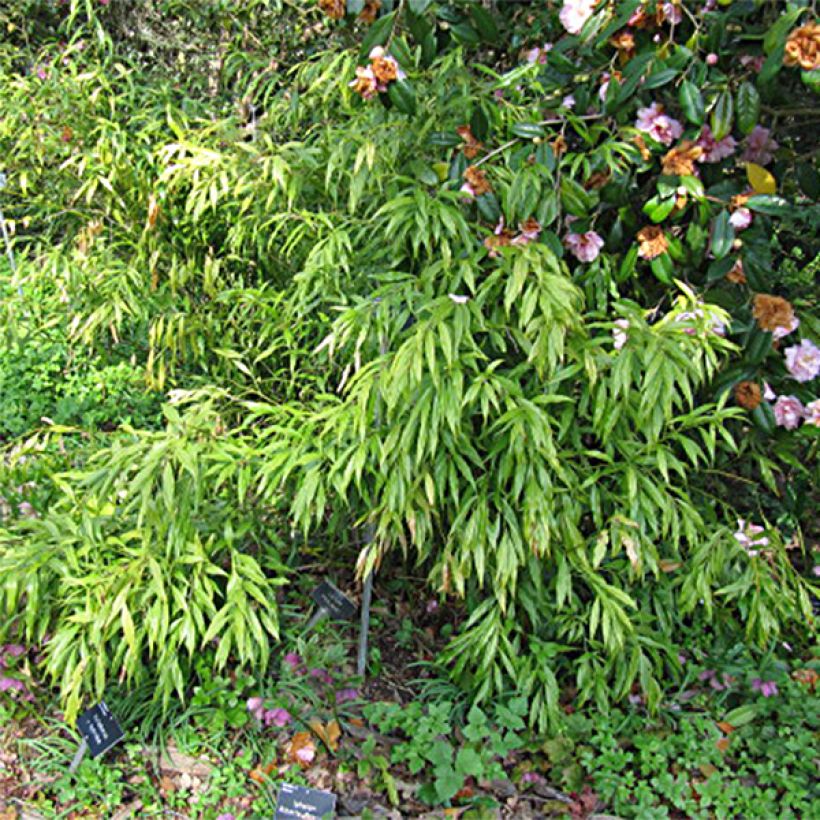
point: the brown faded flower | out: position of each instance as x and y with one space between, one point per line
644 20
740 200
639 141
748 395
773 312
471 146
499 239
597 180
680 161
736 275
335 9
370 10
385 69
652 241
803 47
624 41
559 145
477 180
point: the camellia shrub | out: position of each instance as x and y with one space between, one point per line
525 290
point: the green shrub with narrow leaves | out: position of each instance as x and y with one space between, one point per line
434 295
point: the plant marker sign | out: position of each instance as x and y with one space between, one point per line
100 732
331 602
304 804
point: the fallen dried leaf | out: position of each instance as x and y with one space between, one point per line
329 734
723 744
725 727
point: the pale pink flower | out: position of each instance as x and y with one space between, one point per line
11 685
321 675
747 536
767 688
306 753
811 413
788 411
780 332
768 393
741 219
256 706
529 231
568 101
575 13
760 147
605 78
539 54
584 246
658 125
715 150
711 58
672 13
803 361
619 334
754 62
277 717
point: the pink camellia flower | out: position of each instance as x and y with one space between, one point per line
619 334
803 361
672 13
811 413
658 125
277 717
741 219
529 231
711 58
715 150
539 54
256 706
788 411
584 246
767 688
345 695
747 536
780 332
575 13
760 147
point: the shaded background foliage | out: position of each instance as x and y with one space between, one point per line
341 334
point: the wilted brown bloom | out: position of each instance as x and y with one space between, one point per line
335 9
559 145
807 676
471 146
681 160
638 140
477 181
748 395
644 20
652 241
739 200
385 69
773 312
87 235
803 47
624 41
597 180
370 10
499 239
736 275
